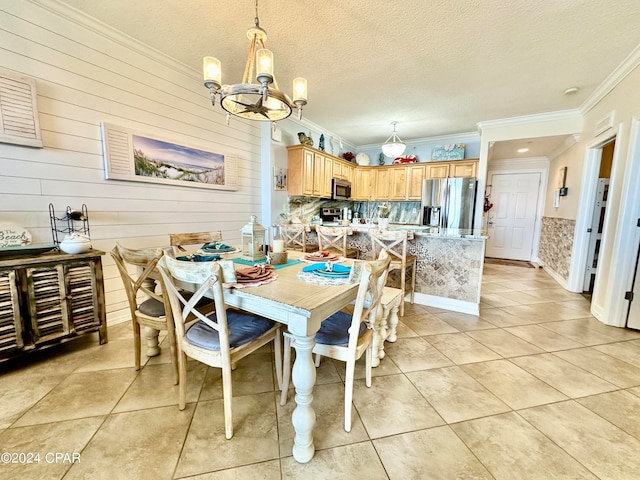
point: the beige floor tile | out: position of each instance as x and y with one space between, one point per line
455 395
543 337
328 403
427 325
18 393
501 318
392 405
144 444
263 471
497 300
81 395
114 354
553 294
154 387
434 454
606 450
403 330
563 376
589 331
626 351
613 370
512 449
411 354
513 385
347 462
44 441
504 343
620 408
255 437
464 322
461 348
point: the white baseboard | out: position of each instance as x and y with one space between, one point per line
119 316
447 303
556 276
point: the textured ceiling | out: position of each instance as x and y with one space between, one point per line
437 67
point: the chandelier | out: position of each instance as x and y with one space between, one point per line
393 146
262 101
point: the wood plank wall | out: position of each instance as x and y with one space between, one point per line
85 74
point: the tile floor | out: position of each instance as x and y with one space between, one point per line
533 387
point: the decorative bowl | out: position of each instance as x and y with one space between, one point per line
75 243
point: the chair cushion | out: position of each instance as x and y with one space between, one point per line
243 328
152 307
335 329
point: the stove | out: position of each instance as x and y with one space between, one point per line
328 214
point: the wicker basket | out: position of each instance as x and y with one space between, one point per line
278 258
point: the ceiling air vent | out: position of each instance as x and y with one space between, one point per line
18 110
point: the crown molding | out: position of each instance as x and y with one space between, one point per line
569 142
527 119
613 79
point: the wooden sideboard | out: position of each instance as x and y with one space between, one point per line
49 298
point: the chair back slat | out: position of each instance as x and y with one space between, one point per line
199 238
366 308
392 241
295 235
146 260
333 238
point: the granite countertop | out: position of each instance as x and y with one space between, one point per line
418 230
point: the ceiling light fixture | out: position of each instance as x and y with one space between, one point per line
523 150
252 101
393 146
571 90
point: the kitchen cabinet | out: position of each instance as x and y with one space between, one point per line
415 174
454 168
49 298
362 188
309 172
382 189
398 182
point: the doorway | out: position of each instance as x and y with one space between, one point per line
596 229
512 219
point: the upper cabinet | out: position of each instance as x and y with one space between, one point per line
311 171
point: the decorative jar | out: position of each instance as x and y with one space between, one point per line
253 236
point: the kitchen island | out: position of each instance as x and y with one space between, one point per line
449 264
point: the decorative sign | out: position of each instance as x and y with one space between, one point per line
13 236
129 155
452 151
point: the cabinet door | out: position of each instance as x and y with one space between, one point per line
415 175
325 184
47 308
307 173
64 299
362 187
463 169
438 170
383 186
348 172
10 319
398 179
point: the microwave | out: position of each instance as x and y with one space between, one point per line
340 189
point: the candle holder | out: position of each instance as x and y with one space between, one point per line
278 258
253 235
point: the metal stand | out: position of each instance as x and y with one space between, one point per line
73 221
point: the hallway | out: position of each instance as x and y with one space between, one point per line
532 388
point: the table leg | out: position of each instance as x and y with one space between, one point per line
392 322
151 335
303 418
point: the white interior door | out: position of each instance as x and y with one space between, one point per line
512 220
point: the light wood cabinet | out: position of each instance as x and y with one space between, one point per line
362 187
50 298
310 172
382 189
454 168
415 174
398 182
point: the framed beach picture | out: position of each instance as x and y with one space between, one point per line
141 157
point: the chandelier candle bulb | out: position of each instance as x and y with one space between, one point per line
264 60
212 70
299 89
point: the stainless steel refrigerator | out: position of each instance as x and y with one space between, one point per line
449 202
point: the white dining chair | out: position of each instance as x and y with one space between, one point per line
219 339
334 240
346 336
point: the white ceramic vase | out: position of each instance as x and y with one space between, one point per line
383 223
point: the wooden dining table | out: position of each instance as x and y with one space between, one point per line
302 306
